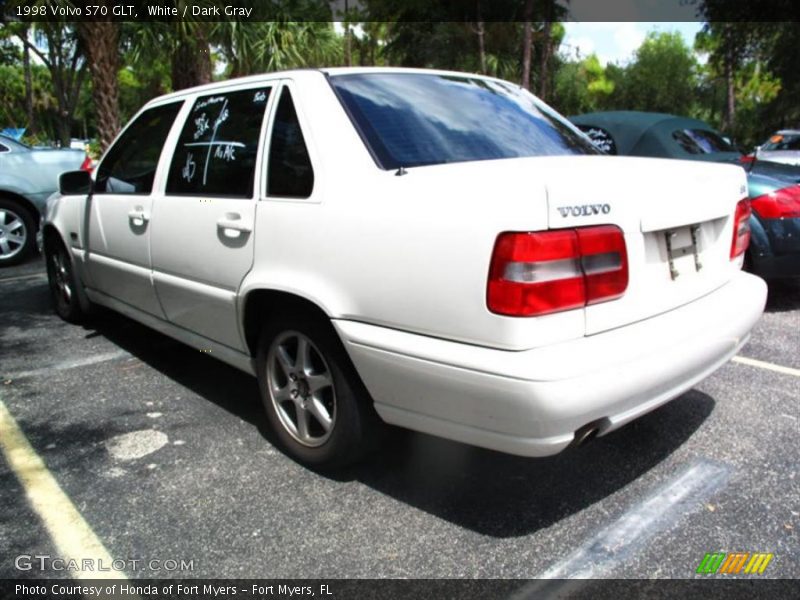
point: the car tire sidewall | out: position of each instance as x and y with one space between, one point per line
355 428
30 230
69 311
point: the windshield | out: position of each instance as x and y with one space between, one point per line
783 141
702 141
412 119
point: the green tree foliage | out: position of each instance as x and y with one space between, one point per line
661 78
582 87
249 48
57 46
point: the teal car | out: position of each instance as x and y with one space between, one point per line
28 177
774 192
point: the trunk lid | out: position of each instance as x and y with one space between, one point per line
677 217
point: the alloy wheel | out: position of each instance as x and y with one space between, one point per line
13 234
301 388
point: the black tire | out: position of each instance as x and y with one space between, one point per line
15 221
64 283
354 426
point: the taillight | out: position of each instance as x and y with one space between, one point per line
550 271
780 204
741 228
86 165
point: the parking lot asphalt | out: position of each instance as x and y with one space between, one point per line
165 455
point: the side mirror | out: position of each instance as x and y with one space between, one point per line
75 183
756 150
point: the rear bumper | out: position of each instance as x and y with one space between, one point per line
531 402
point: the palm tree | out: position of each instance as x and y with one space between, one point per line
101 41
184 44
273 45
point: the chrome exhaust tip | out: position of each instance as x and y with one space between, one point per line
585 434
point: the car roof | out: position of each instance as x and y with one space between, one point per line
9 141
311 72
644 133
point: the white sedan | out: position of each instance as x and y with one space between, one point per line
435 250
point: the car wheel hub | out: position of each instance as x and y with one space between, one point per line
13 233
61 277
301 389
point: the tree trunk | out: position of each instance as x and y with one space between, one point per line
730 95
527 45
544 60
481 31
191 61
101 39
348 45
26 67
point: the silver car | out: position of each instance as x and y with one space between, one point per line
28 176
782 147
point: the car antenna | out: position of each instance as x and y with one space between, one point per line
401 171
753 162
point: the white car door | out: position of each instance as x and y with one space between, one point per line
119 211
202 234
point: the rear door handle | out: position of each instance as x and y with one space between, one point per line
138 216
232 225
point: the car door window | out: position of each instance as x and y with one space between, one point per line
290 172
130 165
217 148
3 149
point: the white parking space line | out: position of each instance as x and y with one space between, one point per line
71 534
70 364
598 556
752 362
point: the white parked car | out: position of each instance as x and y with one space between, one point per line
782 147
436 250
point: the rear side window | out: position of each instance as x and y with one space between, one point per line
3 149
701 141
130 165
410 119
290 172
216 151
601 138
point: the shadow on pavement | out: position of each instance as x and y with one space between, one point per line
783 295
488 492
491 493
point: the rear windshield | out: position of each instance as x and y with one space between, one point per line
702 141
411 119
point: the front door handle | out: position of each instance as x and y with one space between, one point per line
138 216
232 225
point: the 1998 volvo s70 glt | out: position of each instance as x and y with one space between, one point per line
439 250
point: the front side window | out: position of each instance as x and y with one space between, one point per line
702 141
412 119
216 152
130 166
290 172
